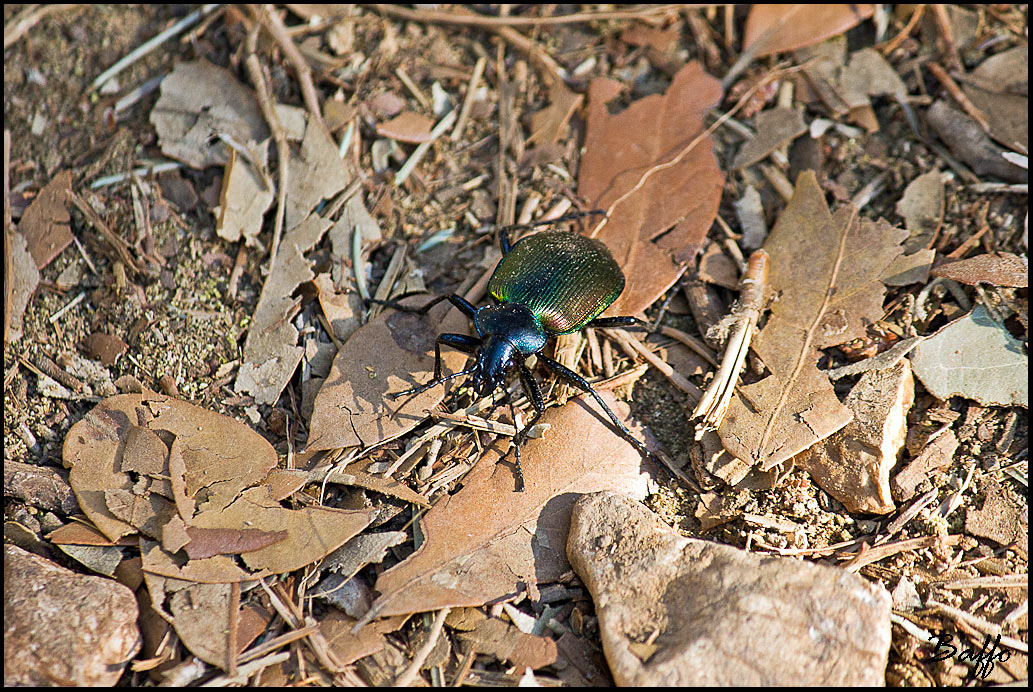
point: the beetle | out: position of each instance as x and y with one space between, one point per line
546 284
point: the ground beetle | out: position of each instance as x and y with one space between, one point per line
546 284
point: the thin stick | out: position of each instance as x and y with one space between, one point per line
422 149
714 403
695 344
257 75
148 46
895 42
116 241
958 95
633 348
471 89
301 68
476 423
471 19
944 25
410 673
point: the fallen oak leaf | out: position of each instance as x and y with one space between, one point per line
780 28
825 268
652 168
393 352
487 540
46 224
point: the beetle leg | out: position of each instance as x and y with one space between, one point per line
420 310
534 393
516 448
575 379
460 342
463 304
503 231
624 322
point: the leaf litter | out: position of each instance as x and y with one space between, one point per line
795 406
185 478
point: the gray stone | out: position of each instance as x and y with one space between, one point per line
681 611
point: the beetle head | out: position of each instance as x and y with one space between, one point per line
494 360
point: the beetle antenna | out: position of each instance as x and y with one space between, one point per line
415 391
548 222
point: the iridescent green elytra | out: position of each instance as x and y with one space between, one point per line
564 278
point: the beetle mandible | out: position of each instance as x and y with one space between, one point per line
546 284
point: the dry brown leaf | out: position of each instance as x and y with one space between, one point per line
662 223
549 124
311 532
317 172
936 455
221 455
209 542
159 564
104 347
1001 90
853 465
201 616
46 223
84 534
780 28
349 646
922 208
498 638
391 353
487 541
971 144
21 276
246 195
824 269
776 127
213 469
996 269
342 310
407 127
271 351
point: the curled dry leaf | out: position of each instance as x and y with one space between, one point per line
407 127
996 269
825 269
779 28
651 167
487 540
192 479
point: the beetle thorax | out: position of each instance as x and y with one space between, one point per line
514 323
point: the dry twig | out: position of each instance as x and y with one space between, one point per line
712 407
